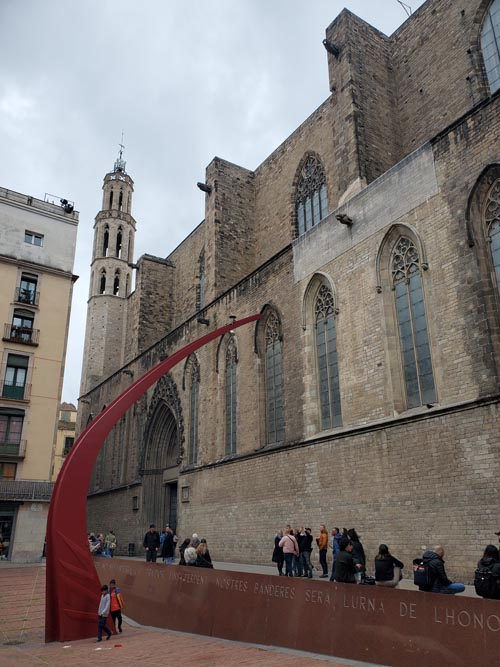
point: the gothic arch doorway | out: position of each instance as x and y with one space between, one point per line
163 450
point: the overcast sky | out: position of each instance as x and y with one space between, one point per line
185 79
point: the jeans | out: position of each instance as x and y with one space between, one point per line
289 565
108 552
169 560
455 588
322 560
151 556
101 625
117 615
306 559
332 576
297 566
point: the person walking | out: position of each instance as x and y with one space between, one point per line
290 549
151 543
168 546
322 542
103 613
388 570
278 556
116 604
439 582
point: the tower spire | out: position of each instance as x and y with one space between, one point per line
120 162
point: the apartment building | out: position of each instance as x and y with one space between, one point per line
37 250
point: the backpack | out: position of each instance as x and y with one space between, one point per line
422 575
486 583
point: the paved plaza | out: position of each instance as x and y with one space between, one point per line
22 637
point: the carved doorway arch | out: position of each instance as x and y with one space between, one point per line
163 451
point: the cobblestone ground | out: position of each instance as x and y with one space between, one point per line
22 619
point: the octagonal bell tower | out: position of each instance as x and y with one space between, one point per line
110 278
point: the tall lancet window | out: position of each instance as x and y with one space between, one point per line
119 242
274 381
194 393
111 199
105 242
490 45
410 309
231 396
116 283
102 282
492 219
326 356
120 201
310 199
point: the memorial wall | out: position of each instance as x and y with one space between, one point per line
391 627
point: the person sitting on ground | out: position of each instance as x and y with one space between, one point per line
439 581
207 552
345 567
490 562
182 549
387 568
201 560
195 540
190 556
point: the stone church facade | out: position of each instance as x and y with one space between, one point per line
367 394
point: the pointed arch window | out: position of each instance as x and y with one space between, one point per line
412 323
492 220
120 201
111 199
119 241
194 393
231 396
116 283
310 199
274 380
105 244
102 282
326 358
490 45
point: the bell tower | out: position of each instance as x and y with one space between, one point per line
110 278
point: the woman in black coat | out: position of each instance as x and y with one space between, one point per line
387 568
278 556
358 553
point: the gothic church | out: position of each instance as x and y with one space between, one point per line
367 395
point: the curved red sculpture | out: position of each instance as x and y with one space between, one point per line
72 581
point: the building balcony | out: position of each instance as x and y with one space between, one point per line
23 335
13 450
16 393
25 490
27 297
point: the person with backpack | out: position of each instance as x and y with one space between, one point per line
290 549
116 604
487 575
433 575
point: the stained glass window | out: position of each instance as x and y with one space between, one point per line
231 361
274 381
194 391
311 202
326 355
490 45
410 309
492 219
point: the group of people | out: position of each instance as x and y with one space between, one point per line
102 546
111 603
293 549
193 551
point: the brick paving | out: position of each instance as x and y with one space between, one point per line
22 644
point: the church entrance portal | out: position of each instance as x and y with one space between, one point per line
161 468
